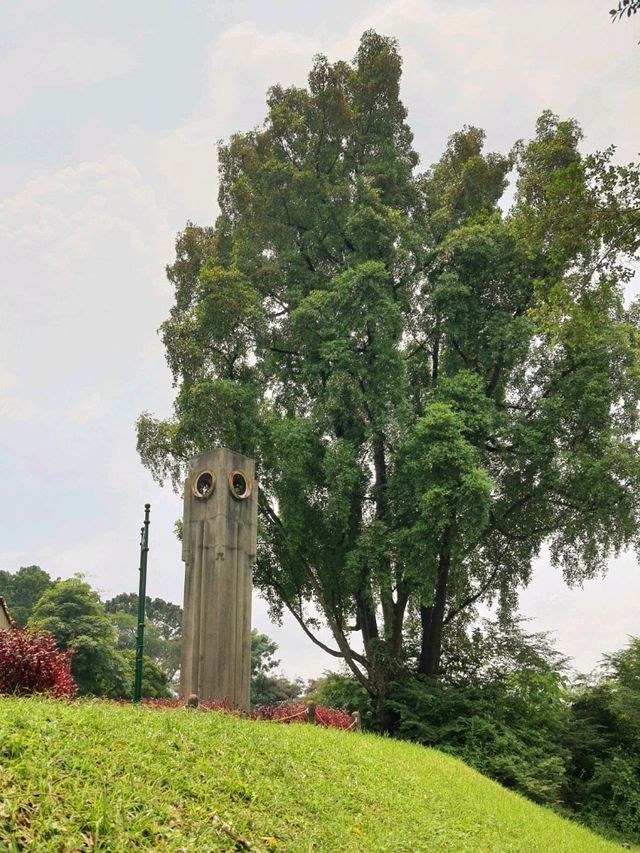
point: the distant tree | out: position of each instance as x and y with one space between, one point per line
433 386
267 687
623 671
270 690
163 628
165 615
22 589
263 650
72 611
163 642
155 681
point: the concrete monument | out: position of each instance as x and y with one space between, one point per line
219 550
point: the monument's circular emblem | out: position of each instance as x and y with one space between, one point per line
203 485
239 485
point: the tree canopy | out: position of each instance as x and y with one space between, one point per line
163 628
433 384
74 614
103 660
22 589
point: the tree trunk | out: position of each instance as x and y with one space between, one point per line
381 675
386 718
432 619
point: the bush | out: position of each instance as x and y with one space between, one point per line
603 772
337 690
489 727
32 663
502 706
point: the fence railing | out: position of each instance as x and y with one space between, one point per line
313 713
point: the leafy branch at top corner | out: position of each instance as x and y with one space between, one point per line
624 6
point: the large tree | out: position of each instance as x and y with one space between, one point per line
76 617
432 386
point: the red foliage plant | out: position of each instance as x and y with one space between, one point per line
284 712
334 718
32 663
295 712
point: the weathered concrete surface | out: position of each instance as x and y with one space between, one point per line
219 550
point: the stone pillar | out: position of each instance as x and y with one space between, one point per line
219 550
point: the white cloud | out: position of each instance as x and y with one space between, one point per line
8 379
85 247
13 406
17 408
89 409
589 621
494 64
244 62
62 217
49 57
498 64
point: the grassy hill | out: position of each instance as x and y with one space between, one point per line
98 776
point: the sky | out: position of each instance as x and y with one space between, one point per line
109 116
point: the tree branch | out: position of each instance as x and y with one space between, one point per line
298 617
471 599
348 653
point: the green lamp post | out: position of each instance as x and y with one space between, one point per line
142 592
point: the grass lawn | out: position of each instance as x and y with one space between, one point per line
90 775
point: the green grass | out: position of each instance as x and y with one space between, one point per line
98 776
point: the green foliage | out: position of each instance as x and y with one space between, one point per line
502 707
162 633
625 7
339 690
490 728
22 589
273 689
74 614
95 774
267 687
603 783
432 387
155 681
103 662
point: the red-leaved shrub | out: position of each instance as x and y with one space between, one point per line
32 663
284 712
295 712
334 718
179 702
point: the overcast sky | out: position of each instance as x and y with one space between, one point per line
109 114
